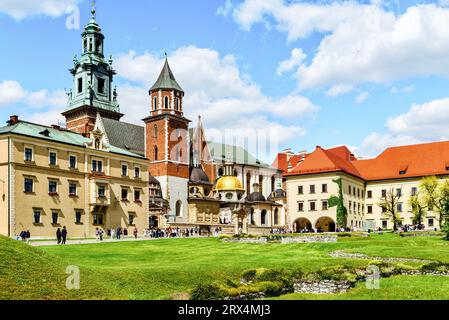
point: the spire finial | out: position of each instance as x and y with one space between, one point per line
166 56
93 11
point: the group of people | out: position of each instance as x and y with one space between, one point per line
25 235
61 235
172 232
281 231
413 227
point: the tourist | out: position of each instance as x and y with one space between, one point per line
23 235
112 234
135 233
97 234
59 235
28 236
64 235
100 234
119 233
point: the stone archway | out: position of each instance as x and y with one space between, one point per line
301 224
325 224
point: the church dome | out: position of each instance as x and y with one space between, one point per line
256 197
229 183
197 175
277 194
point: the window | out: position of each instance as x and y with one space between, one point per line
80 85
137 195
97 166
300 206
263 217
101 85
350 205
37 217
131 217
54 217
384 209
78 217
399 207
53 158
166 102
276 217
154 103
101 191
414 191
312 206
369 194
349 189
358 193
98 218
124 194
178 208
370 209
324 188
324 205
136 172
399 192
72 162
312 189
430 223
155 131
384 224
300 190
124 170
384 193
28 154
177 104
72 189
29 185
97 144
52 187
156 155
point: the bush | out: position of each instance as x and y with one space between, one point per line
207 292
269 275
435 266
344 235
273 289
445 230
249 275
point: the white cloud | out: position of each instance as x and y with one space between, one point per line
296 59
11 92
406 89
422 123
337 90
215 88
44 98
362 97
20 9
361 42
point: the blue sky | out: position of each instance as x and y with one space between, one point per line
365 74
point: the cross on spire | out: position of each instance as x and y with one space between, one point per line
93 11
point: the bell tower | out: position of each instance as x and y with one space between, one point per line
167 142
92 90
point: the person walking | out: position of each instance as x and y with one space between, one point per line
119 233
112 234
59 235
64 235
100 234
97 233
28 236
135 233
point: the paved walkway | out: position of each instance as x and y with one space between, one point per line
45 243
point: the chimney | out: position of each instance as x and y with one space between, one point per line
13 120
56 127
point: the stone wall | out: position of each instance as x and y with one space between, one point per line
247 240
309 239
322 287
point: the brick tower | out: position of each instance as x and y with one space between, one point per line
92 91
167 142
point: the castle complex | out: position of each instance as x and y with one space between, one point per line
99 172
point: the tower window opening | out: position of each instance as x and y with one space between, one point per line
155 103
166 102
155 131
90 45
101 85
177 104
80 85
155 153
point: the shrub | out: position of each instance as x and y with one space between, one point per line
273 289
445 230
435 266
344 235
207 292
249 275
269 275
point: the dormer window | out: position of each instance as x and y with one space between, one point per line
403 169
45 133
97 144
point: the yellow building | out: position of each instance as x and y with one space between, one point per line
51 177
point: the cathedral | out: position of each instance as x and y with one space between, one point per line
191 182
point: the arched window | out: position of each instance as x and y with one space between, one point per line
154 103
276 217
155 131
252 221
156 156
178 208
263 217
273 183
97 144
177 104
166 102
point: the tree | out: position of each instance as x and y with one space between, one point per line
390 204
419 207
338 202
445 229
436 197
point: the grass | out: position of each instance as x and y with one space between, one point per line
160 269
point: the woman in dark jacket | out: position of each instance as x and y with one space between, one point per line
64 235
59 235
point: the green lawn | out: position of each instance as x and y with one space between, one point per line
159 269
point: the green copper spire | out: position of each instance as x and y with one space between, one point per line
92 73
166 80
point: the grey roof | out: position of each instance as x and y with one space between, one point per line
239 155
125 135
277 194
197 175
255 197
166 80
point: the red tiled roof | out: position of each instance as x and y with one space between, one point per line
282 164
394 163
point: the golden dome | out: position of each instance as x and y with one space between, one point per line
228 183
